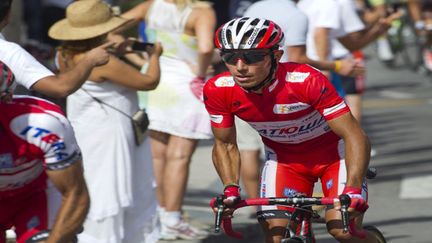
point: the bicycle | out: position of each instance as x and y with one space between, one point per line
299 228
404 41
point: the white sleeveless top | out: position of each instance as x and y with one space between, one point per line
168 23
172 107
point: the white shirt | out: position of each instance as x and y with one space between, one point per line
26 68
321 14
284 13
350 22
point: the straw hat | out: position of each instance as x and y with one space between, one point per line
85 19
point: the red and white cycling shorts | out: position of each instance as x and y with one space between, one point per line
293 179
29 213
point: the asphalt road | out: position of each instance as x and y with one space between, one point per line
397 119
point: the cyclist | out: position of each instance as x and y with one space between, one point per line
43 194
306 127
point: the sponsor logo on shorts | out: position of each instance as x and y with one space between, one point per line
33 222
216 118
289 108
329 184
263 190
296 77
288 192
364 187
225 82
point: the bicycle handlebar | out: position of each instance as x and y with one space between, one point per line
345 200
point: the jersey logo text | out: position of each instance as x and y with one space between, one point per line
289 108
48 137
225 82
296 77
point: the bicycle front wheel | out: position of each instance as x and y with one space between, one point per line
292 240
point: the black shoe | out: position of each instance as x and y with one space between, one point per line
376 232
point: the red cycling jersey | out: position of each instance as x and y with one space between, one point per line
34 137
290 114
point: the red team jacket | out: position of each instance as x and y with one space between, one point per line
290 115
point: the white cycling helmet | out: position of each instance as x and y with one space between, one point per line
249 33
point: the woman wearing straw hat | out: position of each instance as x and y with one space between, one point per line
178 119
118 172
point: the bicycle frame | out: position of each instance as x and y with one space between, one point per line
302 232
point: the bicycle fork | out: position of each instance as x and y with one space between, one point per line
300 227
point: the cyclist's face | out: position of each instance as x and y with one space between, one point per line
248 67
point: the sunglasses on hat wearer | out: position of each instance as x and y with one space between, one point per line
248 57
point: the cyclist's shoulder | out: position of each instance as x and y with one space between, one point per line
40 103
31 123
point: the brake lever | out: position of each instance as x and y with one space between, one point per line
218 203
345 201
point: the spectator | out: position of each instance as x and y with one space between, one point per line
335 29
119 172
33 75
177 115
43 193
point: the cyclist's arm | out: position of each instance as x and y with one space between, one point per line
75 202
357 147
226 156
66 83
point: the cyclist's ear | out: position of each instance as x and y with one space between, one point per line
278 54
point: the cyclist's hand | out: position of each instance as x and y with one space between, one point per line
99 55
231 197
196 85
358 203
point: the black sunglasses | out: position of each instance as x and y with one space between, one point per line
249 57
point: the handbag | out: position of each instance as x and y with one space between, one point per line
140 121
